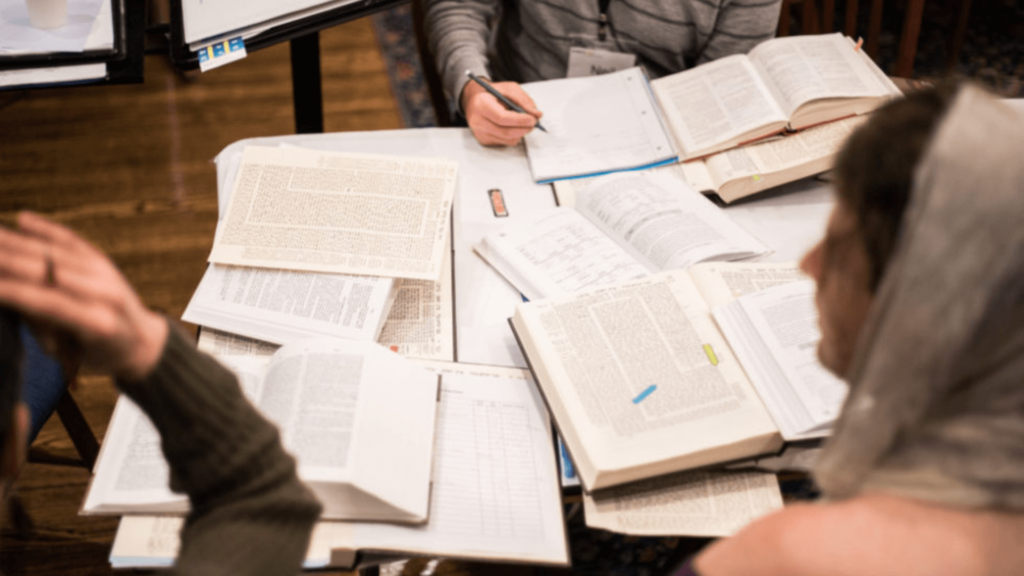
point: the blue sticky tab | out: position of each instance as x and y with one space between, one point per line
221 53
647 392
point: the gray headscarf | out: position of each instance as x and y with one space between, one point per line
936 403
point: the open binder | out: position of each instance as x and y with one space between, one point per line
260 23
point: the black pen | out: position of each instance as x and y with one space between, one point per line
501 97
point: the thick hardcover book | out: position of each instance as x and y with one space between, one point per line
641 382
620 121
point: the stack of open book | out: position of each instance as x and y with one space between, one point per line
796 97
654 352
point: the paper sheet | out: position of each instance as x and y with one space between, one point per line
595 125
702 503
485 300
329 212
282 306
420 324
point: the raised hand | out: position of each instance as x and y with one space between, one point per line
61 282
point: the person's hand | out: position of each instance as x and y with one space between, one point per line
60 281
490 121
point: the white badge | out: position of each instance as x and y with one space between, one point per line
593 62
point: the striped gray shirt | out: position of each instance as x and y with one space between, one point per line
532 38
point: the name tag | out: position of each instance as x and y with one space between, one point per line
594 62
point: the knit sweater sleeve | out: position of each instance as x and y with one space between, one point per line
459 32
250 513
741 25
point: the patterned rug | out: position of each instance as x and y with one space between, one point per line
398 46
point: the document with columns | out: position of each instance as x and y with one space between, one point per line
338 212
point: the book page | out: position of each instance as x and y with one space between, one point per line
805 68
595 125
323 211
557 253
662 222
775 334
640 380
338 405
312 396
701 503
787 319
218 343
421 321
782 153
496 492
281 306
419 325
716 102
131 472
722 282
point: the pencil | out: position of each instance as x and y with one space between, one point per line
501 97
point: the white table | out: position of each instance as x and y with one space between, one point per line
789 220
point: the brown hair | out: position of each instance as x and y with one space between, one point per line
875 168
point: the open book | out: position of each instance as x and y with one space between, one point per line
623 226
775 334
740 172
495 489
783 84
639 380
358 418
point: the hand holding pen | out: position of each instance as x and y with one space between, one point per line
500 113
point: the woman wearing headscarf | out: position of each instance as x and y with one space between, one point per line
921 300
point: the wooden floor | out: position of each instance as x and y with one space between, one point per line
130 168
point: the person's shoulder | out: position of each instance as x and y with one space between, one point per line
873 534
943 539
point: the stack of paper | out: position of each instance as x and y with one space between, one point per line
323 244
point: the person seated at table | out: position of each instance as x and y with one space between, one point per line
514 41
250 514
920 291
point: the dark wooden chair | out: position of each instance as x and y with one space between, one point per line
49 381
818 16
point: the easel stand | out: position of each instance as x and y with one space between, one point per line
306 85
303 35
